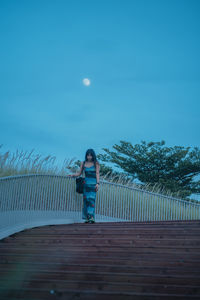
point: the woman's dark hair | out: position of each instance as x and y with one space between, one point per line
92 153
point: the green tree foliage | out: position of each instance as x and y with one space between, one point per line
174 168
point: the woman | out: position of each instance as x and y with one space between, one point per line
91 168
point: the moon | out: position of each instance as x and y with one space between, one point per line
86 81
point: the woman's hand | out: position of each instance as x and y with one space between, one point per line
96 187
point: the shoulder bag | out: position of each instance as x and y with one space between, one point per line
80 183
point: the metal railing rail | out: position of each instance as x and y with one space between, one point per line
35 200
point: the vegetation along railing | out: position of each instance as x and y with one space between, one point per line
35 200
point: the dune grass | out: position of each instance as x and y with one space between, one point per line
24 162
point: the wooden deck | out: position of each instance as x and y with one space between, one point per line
155 260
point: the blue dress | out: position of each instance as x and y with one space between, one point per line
89 193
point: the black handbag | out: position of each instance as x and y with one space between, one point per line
79 185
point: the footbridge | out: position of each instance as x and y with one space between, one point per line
143 246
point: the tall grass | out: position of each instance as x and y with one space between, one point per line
24 162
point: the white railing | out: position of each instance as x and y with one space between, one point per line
27 201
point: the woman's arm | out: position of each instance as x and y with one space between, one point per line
78 173
97 175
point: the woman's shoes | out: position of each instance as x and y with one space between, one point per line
90 221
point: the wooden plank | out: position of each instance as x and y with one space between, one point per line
155 260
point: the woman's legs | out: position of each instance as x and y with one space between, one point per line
89 198
91 210
84 212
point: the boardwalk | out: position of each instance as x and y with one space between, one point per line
155 260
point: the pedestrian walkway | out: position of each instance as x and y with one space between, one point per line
152 260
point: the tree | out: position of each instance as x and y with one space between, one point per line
175 168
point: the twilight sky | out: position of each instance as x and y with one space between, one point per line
142 57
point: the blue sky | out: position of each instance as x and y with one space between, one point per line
142 57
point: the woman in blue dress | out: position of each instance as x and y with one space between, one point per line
91 169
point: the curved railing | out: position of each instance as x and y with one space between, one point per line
27 201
